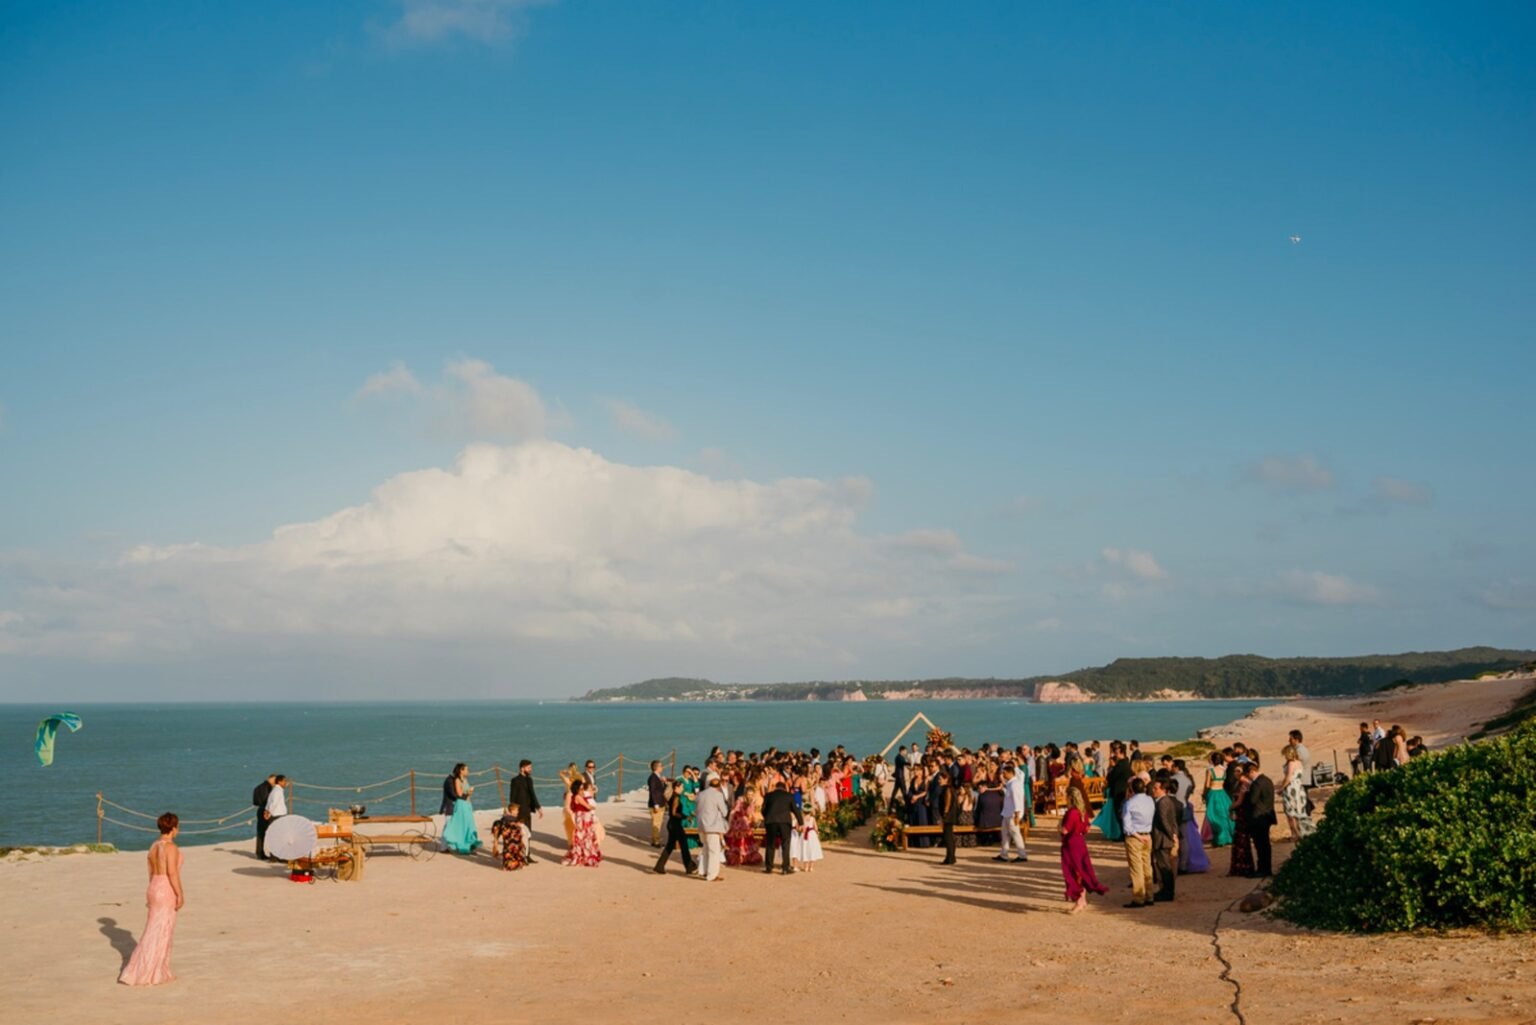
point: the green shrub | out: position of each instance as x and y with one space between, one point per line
1447 840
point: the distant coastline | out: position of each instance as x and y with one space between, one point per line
1127 679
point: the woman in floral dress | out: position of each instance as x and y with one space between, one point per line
585 850
511 843
1294 796
741 847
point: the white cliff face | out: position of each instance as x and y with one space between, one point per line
1060 692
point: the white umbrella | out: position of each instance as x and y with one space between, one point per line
292 837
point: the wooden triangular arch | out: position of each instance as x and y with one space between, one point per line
907 729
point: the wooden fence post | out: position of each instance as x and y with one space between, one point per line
500 794
620 792
413 792
99 815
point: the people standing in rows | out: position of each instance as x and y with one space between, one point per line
460 834
150 963
1076 865
259 801
585 848
1258 808
1166 813
714 819
1293 794
1136 822
677 837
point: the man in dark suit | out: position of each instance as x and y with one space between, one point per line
259 799
900 791
1117 778
520 792
1165 836
656 801
778 811
1259 808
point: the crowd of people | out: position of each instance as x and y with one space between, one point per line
747 809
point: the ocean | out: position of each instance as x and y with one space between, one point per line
201 760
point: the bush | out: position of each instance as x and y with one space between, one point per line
1447 840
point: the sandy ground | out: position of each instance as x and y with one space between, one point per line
868 937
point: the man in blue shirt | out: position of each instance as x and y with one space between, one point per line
1137 821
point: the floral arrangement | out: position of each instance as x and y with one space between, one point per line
940 739
886 834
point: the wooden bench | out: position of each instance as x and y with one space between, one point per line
907 831
760 833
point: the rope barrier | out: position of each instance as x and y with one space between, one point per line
184 832
193 822
356 790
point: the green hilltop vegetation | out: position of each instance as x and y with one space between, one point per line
1231 676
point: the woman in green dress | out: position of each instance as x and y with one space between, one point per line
1217 831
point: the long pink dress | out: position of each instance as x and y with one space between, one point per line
150 964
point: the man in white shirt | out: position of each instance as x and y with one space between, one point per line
1137 820
1013 813
714 818
277 804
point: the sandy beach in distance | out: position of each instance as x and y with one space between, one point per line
868 937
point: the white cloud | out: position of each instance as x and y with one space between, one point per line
484 21
490 406
1396 491
1140 565
398 379
524 547
1312 587
1302 473
716 463
634 420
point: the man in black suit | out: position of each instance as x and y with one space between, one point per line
656 801
1165 836
1259 808
900 791
778 811
1117 778
259 799
520 792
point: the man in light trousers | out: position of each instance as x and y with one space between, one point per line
714 818
1013 815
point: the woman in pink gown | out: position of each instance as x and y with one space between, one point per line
1076 865
150 964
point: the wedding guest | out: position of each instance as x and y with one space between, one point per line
656 801
1399 746
520 791
967 837
590 775
677 839
714 819
949 815
1259 809
150 964
277 804
989 809
259 801
585 850
1076 865
1293 795
1416 747
1165 838
779 812
509 839
1137 824
1241 863
741 846
460 834
1302 753
1363 746
1012 837
1192 858
1217 830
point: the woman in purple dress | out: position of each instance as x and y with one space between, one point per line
1076 865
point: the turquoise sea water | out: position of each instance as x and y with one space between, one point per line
201 761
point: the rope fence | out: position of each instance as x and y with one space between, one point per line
613 769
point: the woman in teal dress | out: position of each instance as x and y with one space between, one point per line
690 806
1217 831
460 835
1108 822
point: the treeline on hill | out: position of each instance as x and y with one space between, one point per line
1232 676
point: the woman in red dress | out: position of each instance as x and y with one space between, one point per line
585 850
1076 865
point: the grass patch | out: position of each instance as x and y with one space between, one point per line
1188 749
79 848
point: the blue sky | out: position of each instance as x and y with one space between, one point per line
755 341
